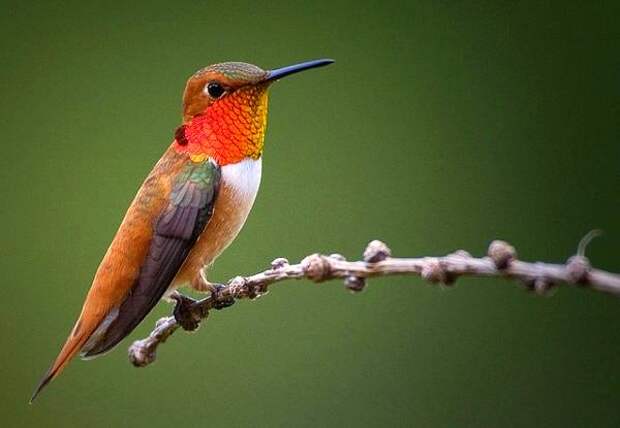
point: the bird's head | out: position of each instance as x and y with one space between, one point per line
225 110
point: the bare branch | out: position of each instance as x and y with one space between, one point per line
501 261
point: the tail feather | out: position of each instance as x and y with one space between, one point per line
72 346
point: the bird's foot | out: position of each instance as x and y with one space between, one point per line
185 312
220 302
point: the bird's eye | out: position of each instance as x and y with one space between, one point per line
215 90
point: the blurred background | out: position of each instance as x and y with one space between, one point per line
442 125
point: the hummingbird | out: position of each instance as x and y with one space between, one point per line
189 209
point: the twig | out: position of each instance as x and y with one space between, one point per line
501 261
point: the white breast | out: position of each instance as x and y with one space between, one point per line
244 178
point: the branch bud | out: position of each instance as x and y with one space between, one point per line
502 254
316 267
279 263
461 253
376 251
354 284
434 272
543 286
578 268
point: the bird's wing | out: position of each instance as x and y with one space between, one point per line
171 209
161 226
188 211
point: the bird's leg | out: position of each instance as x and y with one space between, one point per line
185 311
219 302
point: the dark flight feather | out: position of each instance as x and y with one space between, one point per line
176 230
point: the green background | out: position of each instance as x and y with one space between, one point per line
442 125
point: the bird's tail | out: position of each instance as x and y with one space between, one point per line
79 336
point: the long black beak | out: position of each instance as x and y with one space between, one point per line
279 73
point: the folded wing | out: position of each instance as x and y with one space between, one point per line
176 230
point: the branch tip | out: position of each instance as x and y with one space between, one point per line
585 241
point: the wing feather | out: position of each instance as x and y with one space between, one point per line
175 232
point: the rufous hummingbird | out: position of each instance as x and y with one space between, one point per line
188 210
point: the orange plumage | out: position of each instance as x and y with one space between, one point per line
188 210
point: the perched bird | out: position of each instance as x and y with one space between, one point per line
188 210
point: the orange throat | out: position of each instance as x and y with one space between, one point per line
229 130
